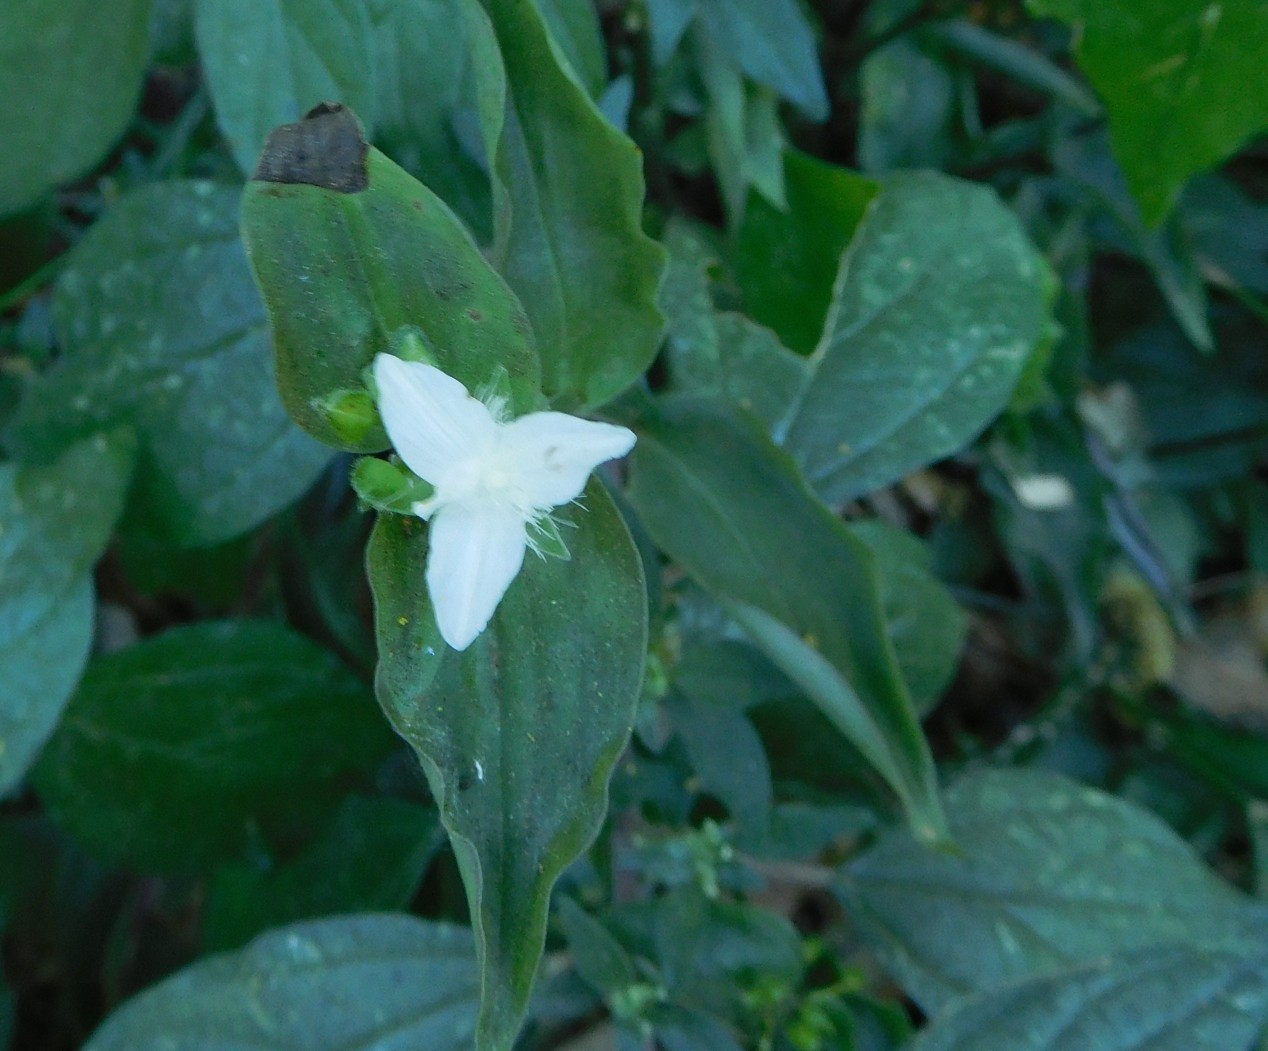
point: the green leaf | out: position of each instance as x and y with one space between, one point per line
177 749
1179 998
429 70
723 356
773 44
742 130
1164 249
712 952
1045 874
926 624
787 260
728 758
352 983
518 734
370 858
568 198
909 110
574 25
343 273
1182 83
939 302
55 522
599 958
270 61
162 330
724 502
73 70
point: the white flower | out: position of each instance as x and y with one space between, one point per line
493 478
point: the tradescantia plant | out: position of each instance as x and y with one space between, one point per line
661 524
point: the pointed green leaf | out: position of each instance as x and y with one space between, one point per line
267 62
519 734
72 70
352 983
939 302
574 25
55 522
568 201
1046 874
177 750
728 505
343 270
1183 83
1174 998
163 331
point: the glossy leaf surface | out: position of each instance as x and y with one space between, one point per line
518 734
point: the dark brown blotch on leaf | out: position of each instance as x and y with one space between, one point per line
327 149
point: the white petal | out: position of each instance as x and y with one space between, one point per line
431 418
475 552
552 454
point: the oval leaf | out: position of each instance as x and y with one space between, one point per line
343 269
1046 874
54 524
175 750
163 330
1169 999
939 302
354 983
72 71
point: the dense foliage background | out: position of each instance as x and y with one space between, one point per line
933 593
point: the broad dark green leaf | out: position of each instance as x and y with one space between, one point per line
163 330
72 71
343 273
519 734
731 508
1178 998
939 303
788 259
268 62
176 750
55 522
568 197
352 983
429 70
926 625
1044 874
370 858
773 44
1182 83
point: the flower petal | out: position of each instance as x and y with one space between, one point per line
432 420
475 552
552 454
